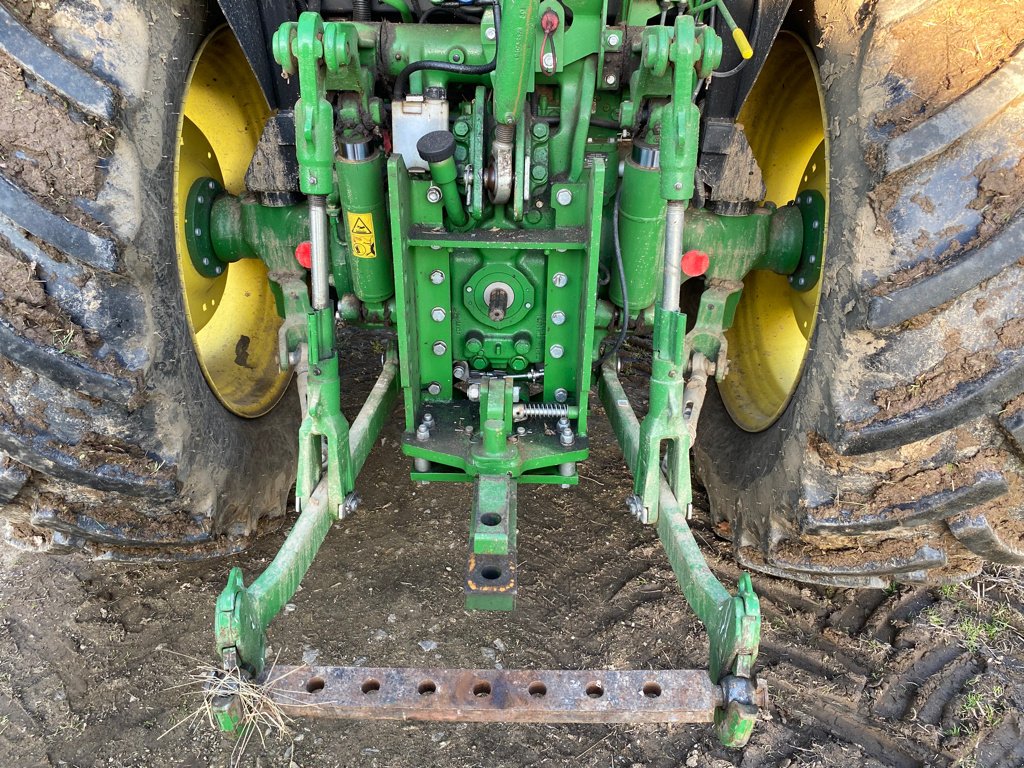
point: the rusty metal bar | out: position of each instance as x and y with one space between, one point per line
496 695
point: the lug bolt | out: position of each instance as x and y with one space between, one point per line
564 196
559 280
490 34
437 277
437 314
433 194
561 395
422 433
558 317
440 348
459 372
557 350
434 388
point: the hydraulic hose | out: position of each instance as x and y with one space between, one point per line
402 81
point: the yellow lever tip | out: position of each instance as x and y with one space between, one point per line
741 42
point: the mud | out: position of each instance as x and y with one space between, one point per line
95 657
1000 197
34 14
90 652
959 366
33 314
943 51
45 151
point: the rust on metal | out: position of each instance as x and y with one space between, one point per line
496 695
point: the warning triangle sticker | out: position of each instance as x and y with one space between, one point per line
359 227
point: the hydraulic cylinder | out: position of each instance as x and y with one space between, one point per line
641 229
360 170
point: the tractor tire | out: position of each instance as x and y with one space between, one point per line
898 457
111 439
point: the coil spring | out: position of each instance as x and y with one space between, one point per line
543 410
504 133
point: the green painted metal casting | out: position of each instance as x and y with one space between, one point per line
495 264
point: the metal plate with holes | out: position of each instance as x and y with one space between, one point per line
496 695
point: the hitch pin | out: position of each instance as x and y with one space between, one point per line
319 266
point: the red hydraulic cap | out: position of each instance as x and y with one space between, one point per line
304 254
695 263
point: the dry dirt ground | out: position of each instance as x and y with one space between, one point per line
96 658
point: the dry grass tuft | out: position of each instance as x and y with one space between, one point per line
260 714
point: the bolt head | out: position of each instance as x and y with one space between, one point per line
613 39
564 196
520 431
437 314
558 317
815 224
458 372
434 388
610 80
434 194
556 351
678 185
437 277
439 348
559 279
561 395
490 34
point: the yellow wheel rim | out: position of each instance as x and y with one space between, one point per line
784 119
232 318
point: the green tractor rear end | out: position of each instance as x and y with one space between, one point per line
508 194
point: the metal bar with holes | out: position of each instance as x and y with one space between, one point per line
496 695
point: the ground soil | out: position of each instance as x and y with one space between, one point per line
96 658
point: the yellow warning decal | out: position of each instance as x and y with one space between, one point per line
361 237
